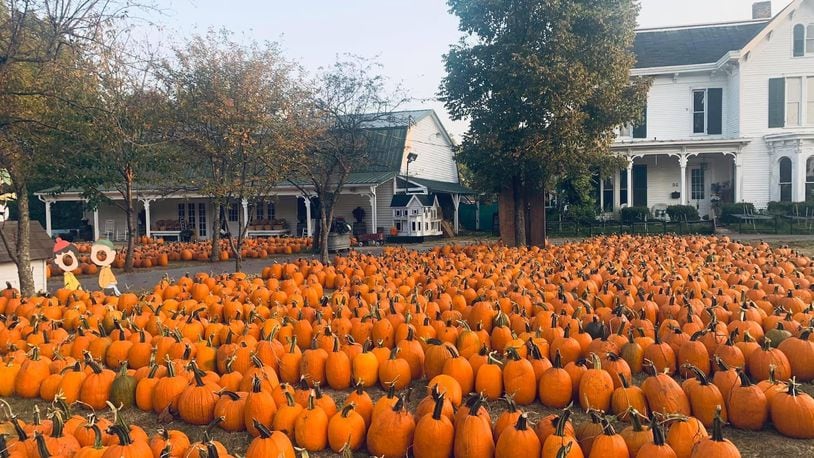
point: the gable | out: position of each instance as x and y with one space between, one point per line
692 45
42 247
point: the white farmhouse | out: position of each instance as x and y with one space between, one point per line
730 115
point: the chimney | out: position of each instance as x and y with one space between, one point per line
762 10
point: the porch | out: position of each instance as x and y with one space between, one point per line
660 174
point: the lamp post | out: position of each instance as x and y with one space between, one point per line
411 157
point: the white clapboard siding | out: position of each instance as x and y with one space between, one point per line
436 160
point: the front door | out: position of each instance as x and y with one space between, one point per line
639 185
699 192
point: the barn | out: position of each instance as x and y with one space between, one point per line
41 251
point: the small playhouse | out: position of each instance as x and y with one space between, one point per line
416 215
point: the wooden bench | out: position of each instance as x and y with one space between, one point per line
268 232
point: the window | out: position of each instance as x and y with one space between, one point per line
233 212
810 179
260 212
413 226
202 219
794 101
785 179
707 111
699 111
181 208
191 216
697 184
272 211
800 40
623 187
607 195
810 39
398 225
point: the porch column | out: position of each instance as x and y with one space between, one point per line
147 227
48 217
682 161
245 204
307 201
477 214
96 231
456 201
738 178
798 186
630 182
601 194
373 209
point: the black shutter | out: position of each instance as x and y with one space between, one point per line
640 130
777 102
715 113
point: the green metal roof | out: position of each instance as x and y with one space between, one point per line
385 149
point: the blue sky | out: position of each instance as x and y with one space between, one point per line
407 36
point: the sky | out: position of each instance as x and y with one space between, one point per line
408 37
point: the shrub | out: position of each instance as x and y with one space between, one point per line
727 210
634 214
788 208
682 213
583 214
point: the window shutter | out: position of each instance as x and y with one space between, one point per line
715 113
640 130
777 102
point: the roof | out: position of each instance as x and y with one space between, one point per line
691 45
399 118
42 247
442 186
402 200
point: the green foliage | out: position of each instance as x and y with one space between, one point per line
727 210
544 86
634 214
583 214
790 208
682 213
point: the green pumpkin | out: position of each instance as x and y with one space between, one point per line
123 390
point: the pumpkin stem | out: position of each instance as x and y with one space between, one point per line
41 446
439 406
717 426
562 421
522 422
658 431
121 432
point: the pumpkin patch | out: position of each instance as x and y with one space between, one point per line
642 345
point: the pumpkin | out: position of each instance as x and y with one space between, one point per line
715 445
346 430
747 405
792 412
555 387
561 444
659 447
473 434
196 404
311 427
518 440
259 406
434 434
126 447
269 443
391 433
596 387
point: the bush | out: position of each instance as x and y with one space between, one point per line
682 213
634 214
727 210
788 208
583 214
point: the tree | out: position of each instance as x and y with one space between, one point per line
544 84
120 138
38 39
234 108
349 99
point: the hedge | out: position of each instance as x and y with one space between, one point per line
788 208
634 214
682 213
727 210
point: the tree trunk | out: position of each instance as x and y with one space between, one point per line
536 233
518 195
23 249
506 211
325 229
131 225
214 256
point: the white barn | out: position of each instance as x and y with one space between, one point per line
412 152
729 117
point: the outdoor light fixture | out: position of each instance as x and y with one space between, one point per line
411 157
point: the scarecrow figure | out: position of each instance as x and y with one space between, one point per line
105 248
65 258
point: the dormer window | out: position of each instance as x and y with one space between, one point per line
803 40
